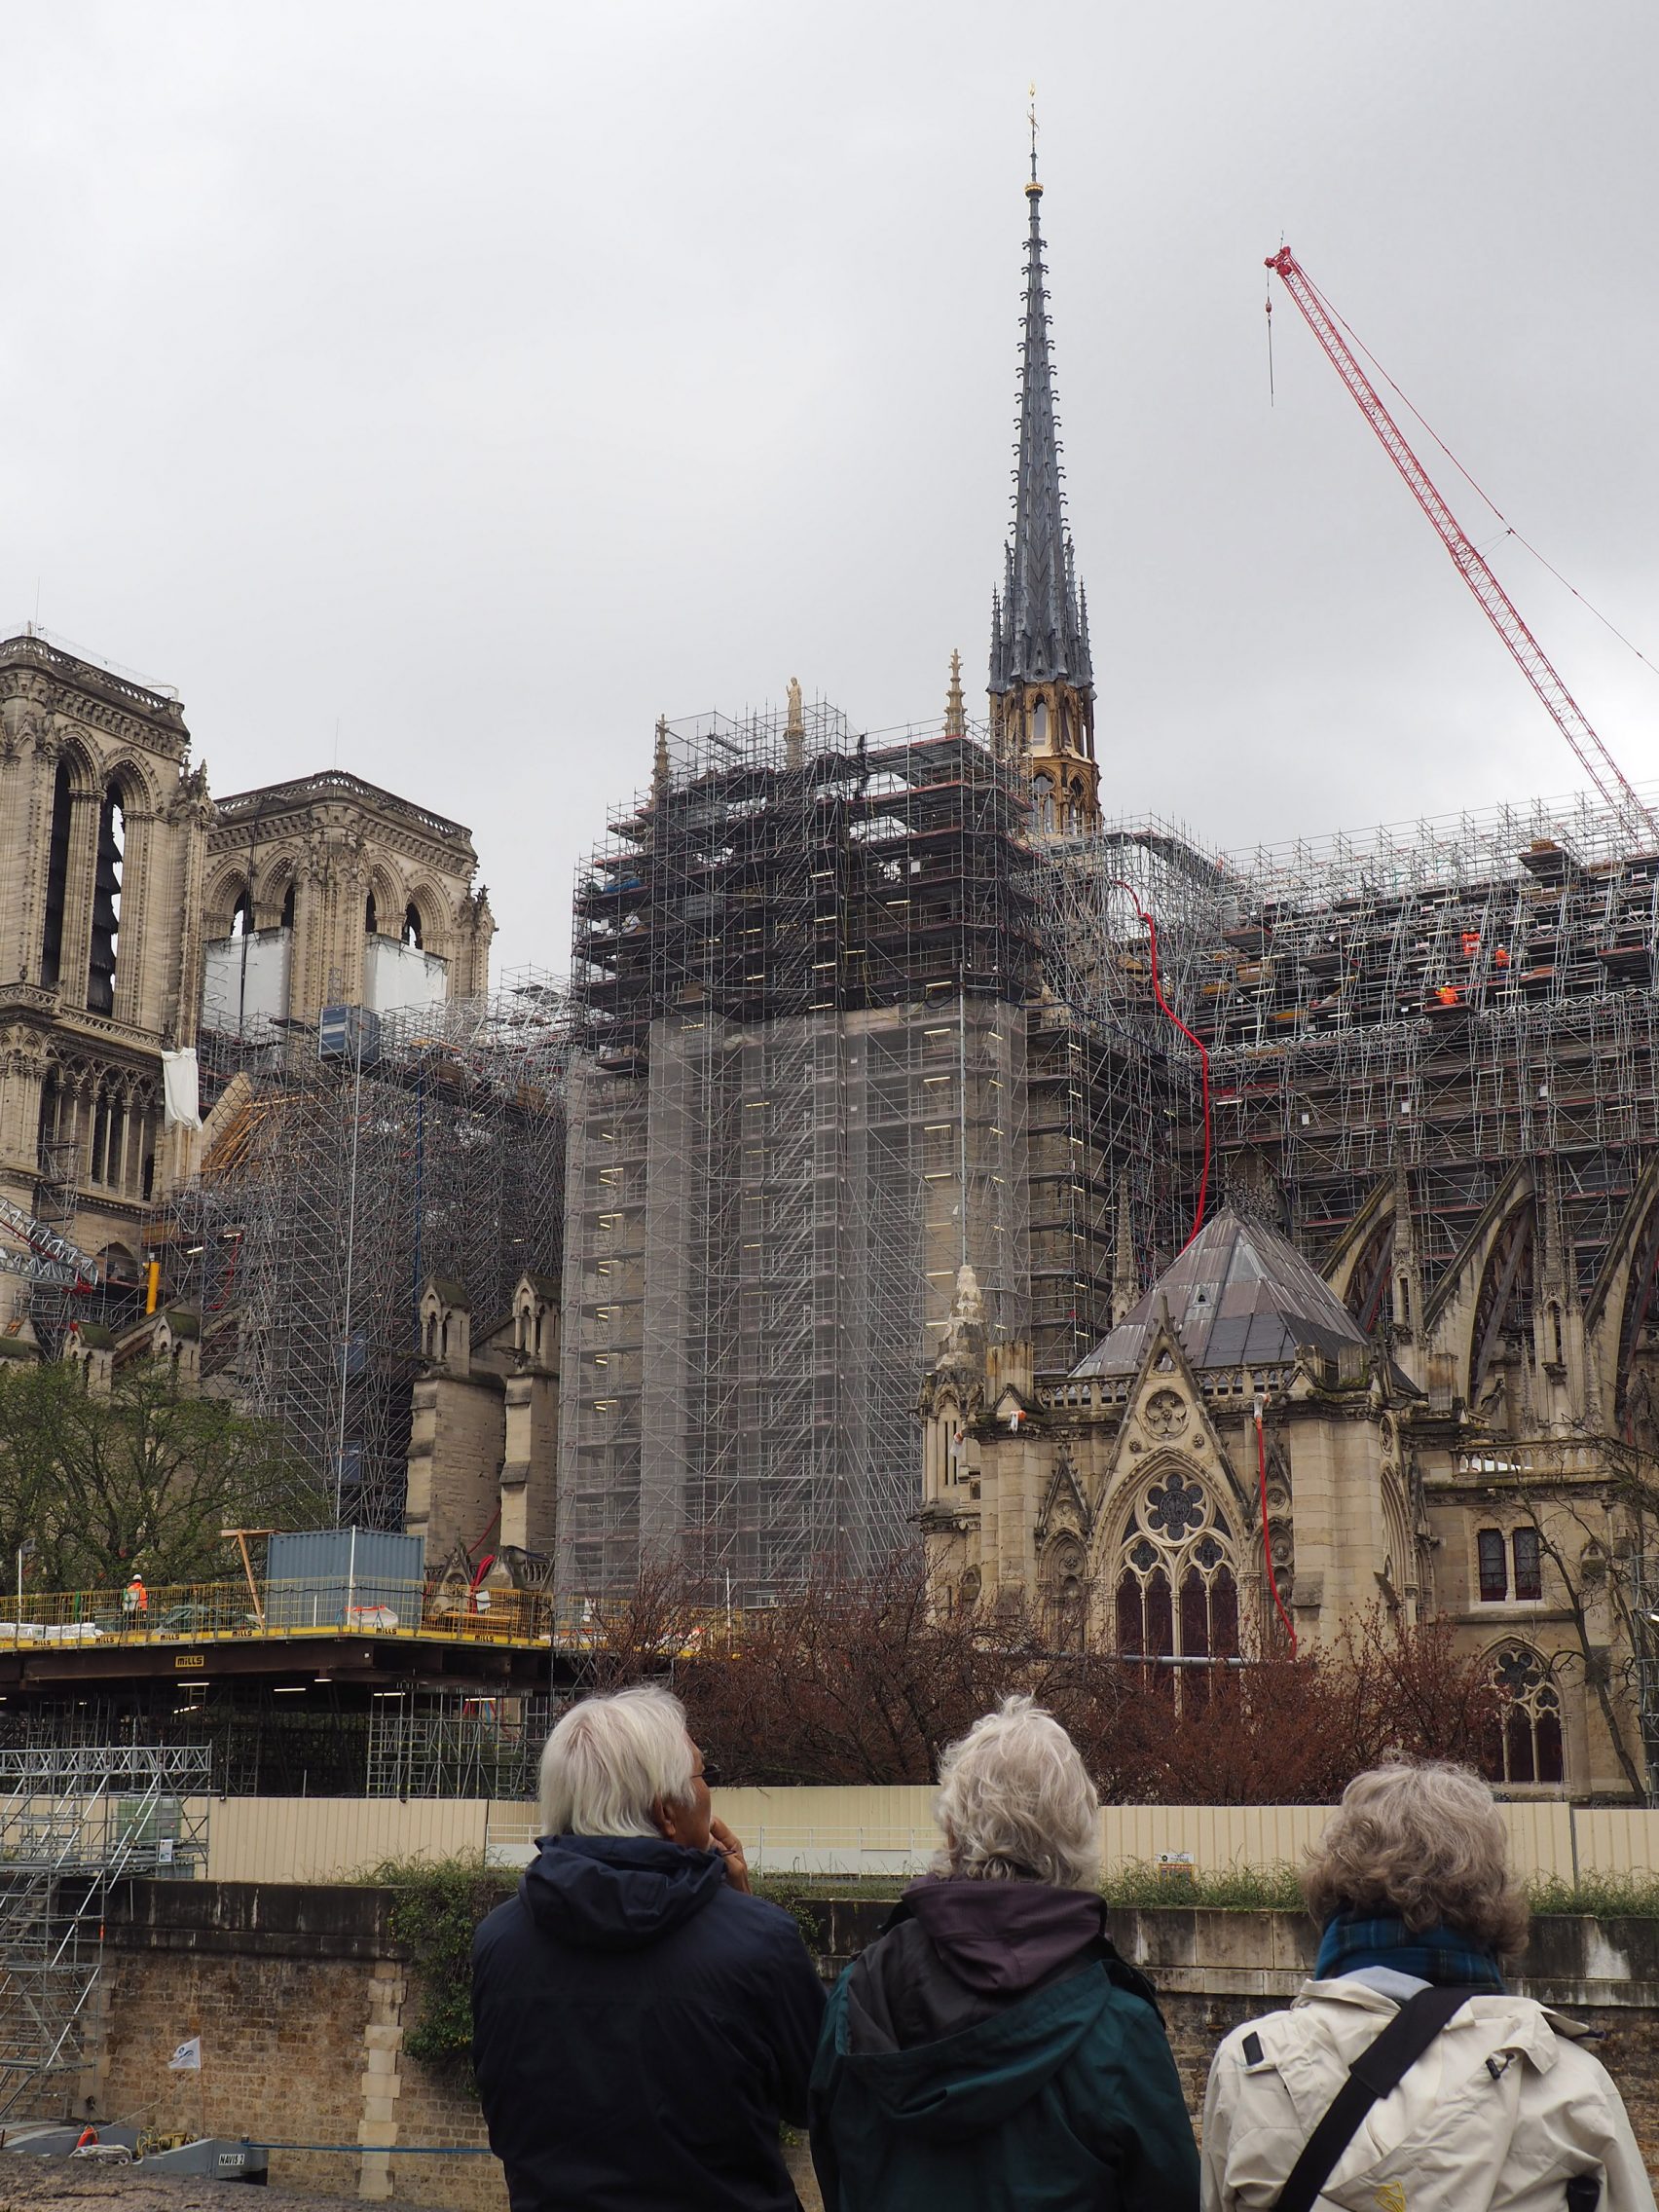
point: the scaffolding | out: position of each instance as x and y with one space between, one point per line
74 1822
796 1110
53 1301
451 1743
1440 1003
1112 1081
842 1026
342 1169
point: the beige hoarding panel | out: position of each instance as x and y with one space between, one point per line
861 1830
331 1839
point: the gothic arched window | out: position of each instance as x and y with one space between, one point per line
1524 1743
1177 1596
106 903
56 877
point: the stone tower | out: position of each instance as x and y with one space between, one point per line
103 832
1041 680
327 889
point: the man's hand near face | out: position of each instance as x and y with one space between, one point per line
722 1840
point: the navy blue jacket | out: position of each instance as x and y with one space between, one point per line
639 2028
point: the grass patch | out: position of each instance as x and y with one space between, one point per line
1138 1884
1596 1897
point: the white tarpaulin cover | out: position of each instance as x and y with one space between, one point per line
183 1096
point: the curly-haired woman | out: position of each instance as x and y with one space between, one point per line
1501 2109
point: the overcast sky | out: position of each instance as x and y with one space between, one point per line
481 382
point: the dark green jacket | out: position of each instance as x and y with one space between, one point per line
1067 2101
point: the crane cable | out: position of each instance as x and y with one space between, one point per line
1202 1051
1118 884
1485 496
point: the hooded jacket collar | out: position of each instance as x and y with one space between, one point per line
971 2080
610 1892
1001 1938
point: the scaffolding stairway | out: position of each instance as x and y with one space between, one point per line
74 1822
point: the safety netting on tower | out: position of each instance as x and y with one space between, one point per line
343 1166
797 1110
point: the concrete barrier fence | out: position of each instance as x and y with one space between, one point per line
855 1831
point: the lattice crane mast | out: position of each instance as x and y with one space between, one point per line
1597 763
47 1258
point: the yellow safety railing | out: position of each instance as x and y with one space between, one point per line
191 1611
332 1605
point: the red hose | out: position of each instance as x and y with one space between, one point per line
1197 1043
1267 1546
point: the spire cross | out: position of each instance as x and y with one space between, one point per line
1031 117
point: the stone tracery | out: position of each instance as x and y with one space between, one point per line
1174 1575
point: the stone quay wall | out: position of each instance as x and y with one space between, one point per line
302 1998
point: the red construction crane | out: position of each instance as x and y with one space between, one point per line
1597 763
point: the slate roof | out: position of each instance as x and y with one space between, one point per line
1240 1295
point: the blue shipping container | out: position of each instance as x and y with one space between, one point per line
345 1578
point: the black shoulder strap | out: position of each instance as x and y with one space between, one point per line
1380 2066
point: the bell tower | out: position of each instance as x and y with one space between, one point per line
1041 680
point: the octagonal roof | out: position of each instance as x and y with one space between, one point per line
1240 1295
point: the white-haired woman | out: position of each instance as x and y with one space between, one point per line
991 2048
641 2023
1477 2098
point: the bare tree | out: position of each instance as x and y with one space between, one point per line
1601 1541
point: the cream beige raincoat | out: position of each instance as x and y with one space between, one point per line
1502 2110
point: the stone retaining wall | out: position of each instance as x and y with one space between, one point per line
301 1997
1213 1970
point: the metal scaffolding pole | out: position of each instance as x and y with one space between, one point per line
74 1822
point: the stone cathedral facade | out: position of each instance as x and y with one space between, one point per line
137 913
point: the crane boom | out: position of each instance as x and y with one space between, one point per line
47 1257
1535 664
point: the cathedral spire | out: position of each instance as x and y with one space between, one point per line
1041 634
1041 680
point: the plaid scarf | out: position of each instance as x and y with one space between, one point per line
1438 1955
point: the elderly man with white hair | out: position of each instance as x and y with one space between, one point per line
641 2023
1406 2077
991 2050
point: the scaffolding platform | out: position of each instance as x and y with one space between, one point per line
74 1820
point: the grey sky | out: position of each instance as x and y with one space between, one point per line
488 379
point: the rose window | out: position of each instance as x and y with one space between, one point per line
1174 1506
